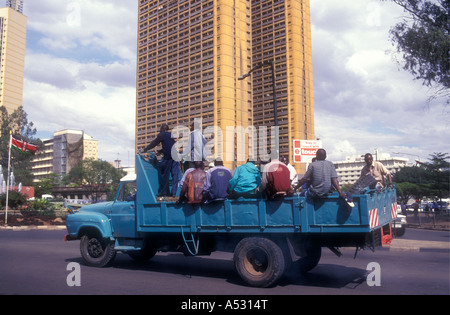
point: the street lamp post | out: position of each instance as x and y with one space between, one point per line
418 157
274 94
418 162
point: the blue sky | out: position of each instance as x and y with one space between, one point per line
81 66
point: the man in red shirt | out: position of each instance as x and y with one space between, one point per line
276 180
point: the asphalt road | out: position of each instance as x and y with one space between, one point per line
40 262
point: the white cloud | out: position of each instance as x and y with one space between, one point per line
79 24
365 63
362 100
105 113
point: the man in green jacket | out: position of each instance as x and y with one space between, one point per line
245 180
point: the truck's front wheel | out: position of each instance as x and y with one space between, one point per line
259 261
97 252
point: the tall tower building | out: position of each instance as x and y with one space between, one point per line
16 5
13 25
191 54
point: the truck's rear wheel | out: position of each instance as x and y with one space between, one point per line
259 261
310 252
97 252
145 253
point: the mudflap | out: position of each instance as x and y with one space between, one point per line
386 235
379 238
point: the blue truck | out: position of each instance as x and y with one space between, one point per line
266 237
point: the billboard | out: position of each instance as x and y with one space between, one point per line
305 150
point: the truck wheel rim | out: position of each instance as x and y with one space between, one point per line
256 262
94 248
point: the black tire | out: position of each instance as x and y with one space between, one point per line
144 254
97 252
259 261
400 232
310 255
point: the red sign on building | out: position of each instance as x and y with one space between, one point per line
305 150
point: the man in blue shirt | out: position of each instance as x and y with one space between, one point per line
216 182
167 164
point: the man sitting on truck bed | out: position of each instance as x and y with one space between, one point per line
216 182
275 180
245 181
322 177
192 189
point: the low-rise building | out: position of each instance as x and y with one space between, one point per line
350 170
61 153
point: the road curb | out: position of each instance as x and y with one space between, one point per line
418 246
431 228
33 227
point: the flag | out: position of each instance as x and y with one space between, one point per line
22 146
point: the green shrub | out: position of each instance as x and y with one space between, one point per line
15 199
38 204
47 208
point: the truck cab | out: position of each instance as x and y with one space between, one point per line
122 212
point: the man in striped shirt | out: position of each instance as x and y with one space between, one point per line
322 176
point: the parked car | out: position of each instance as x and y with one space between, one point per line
399 225
443 205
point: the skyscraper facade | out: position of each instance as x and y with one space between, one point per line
16 5
281 33
13 26
191 54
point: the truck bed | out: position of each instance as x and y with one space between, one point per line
288 215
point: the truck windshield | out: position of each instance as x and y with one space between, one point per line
127 192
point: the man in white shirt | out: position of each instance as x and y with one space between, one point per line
292 171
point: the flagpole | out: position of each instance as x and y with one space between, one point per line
7 180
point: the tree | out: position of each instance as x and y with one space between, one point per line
17 123
45 185
430 180
96 176
407 191
439 169
423 39
439 161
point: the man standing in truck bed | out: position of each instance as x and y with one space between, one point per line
168 165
